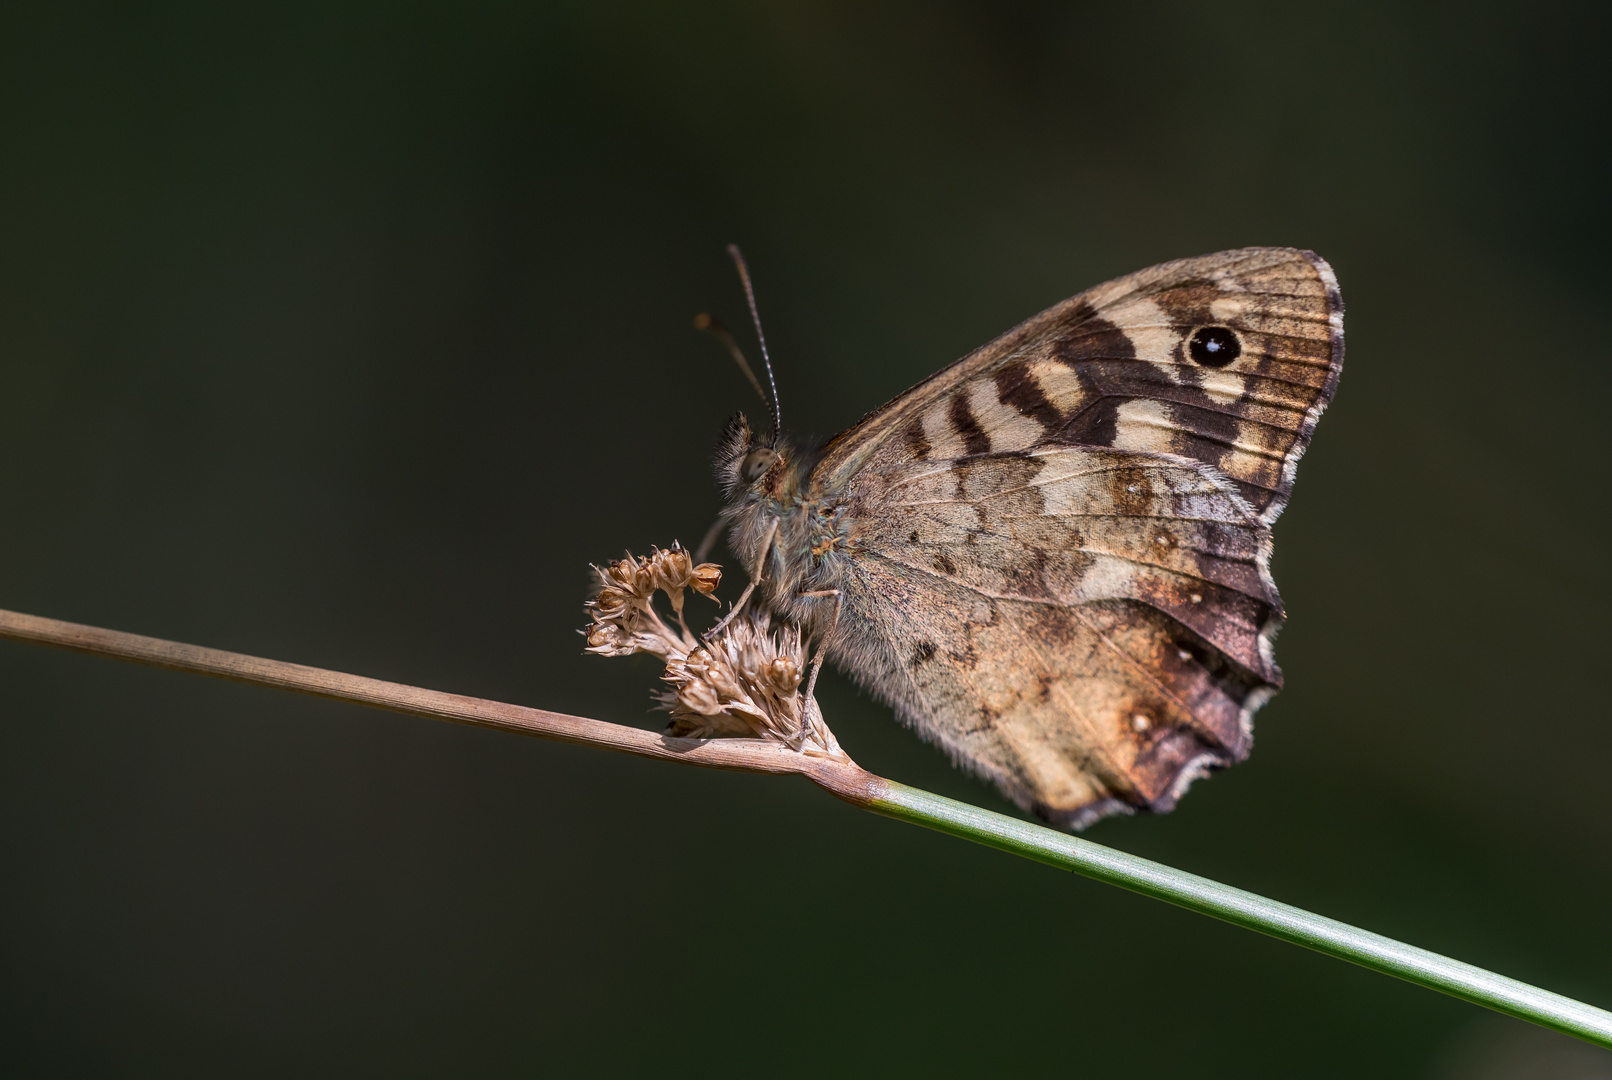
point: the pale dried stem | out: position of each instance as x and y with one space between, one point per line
842 777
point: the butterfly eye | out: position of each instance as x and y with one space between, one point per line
1214 346
756 463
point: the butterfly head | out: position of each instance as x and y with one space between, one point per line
748 464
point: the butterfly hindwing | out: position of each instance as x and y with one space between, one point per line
1054 553
1084 626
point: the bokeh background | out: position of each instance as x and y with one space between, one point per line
349 334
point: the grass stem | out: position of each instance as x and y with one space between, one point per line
1249 910
848 781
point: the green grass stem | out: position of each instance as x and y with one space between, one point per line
1247 910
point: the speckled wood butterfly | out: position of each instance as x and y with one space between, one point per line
1052 557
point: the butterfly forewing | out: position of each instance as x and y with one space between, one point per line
1054 554
1116 366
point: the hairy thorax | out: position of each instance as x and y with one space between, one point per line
806 533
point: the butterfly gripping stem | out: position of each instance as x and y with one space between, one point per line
822 647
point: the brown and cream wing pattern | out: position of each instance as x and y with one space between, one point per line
1087 627
1228 359
1057 560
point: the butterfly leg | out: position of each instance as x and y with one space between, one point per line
817 660
755 579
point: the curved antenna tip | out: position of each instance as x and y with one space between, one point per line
761 338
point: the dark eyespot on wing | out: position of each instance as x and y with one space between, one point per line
1214 346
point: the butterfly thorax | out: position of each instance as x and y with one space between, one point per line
805 531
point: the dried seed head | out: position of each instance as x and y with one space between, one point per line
744 683
705 578
698 697
628 575
624 617
673 567
611 603
783 676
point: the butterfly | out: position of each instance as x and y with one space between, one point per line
1052 558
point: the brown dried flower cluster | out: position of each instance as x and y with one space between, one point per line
624 617
745 682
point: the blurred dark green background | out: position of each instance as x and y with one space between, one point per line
350 334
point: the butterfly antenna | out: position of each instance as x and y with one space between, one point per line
750 295
713 326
